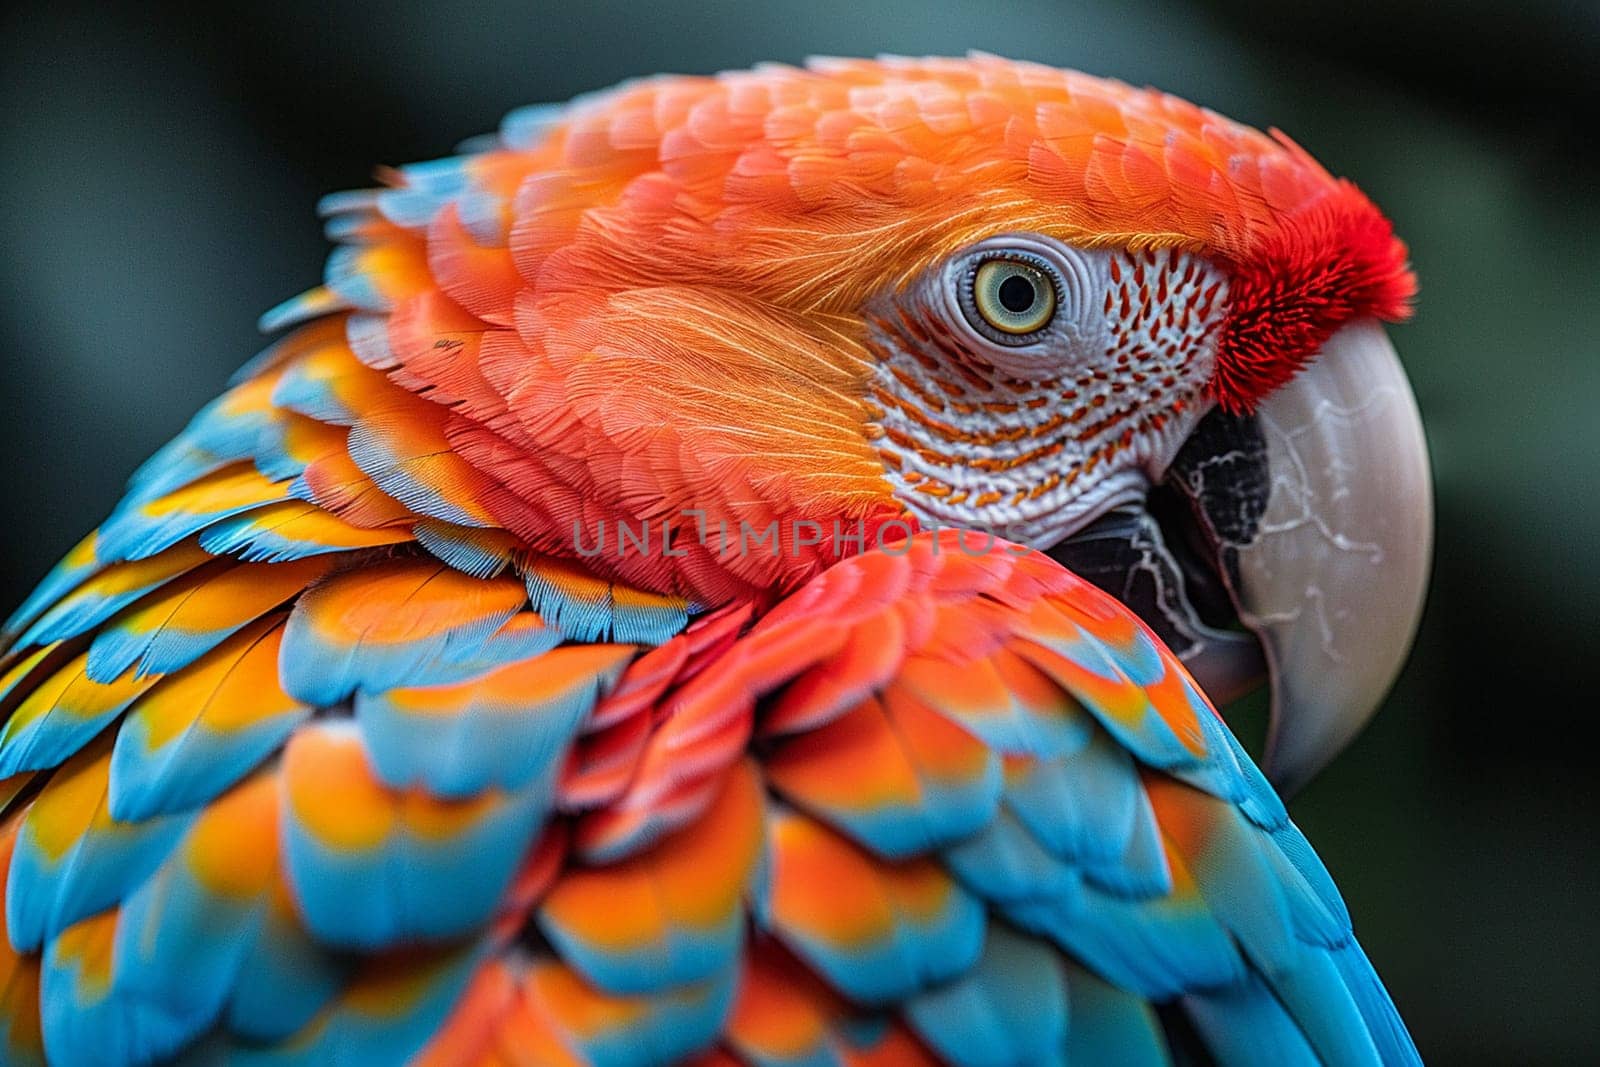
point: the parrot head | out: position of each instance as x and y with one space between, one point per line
789 310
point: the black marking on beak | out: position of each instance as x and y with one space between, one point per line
1173 559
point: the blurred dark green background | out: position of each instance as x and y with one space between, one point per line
157 178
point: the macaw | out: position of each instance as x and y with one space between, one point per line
740 570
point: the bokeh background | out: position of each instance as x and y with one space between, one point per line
158 168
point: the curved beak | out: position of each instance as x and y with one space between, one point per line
1312 520
1333 582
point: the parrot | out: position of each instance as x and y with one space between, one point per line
741 571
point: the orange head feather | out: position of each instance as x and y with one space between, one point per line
680 295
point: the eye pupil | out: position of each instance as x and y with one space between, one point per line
1016 294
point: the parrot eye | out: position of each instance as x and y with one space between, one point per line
1009 298
1026 304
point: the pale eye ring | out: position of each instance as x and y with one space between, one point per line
1010 298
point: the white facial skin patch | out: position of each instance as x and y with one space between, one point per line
1031 435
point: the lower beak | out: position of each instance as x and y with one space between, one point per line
1291 544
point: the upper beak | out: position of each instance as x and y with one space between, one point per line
1314 519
